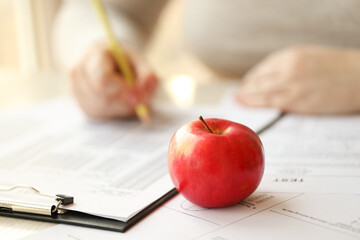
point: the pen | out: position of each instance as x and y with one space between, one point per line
141 109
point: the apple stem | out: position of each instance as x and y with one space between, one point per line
207 126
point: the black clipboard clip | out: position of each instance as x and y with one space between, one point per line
34 208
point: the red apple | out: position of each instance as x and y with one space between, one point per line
215 162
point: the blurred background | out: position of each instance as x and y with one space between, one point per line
28 71
26 34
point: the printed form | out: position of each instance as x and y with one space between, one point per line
318 154
310 190
261 216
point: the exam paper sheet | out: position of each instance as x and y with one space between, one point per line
314 154
261 216
112 168
309 190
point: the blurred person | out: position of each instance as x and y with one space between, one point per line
297 56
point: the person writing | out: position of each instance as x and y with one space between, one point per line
288 55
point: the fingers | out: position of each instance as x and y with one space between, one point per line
102 91
148 87
273 90
146 82
142 93
101 73
276 81
275 98
96 105
146 79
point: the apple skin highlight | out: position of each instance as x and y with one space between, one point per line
215 169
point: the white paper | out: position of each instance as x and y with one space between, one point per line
306 216
112 168
310 189
318 154
261 216
15 228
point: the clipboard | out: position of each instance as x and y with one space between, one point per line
87 220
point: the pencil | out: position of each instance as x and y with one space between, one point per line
118 53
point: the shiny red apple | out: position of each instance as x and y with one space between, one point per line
215 162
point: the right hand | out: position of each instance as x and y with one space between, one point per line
101 89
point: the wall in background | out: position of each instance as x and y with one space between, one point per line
25 35
9 55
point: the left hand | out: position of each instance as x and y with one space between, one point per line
308 80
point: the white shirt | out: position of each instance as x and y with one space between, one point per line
230 36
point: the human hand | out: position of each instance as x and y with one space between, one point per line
101 89
308 80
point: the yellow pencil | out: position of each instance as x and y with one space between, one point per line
141 110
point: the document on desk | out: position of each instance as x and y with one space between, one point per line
261 216
113 168
314 154
310 190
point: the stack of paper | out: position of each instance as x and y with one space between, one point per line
310 190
